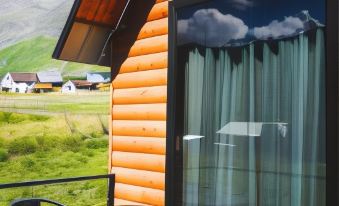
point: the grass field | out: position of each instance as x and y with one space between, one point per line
70 140
36 55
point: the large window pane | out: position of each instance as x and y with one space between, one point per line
254 102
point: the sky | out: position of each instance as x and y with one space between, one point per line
219 22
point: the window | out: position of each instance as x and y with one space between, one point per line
253 74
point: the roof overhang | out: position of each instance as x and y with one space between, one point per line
88 30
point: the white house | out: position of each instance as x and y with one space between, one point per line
18 82
68 87
98 77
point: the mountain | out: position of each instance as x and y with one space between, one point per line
35 55
25 19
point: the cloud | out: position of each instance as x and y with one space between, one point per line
289 26
242 4
211 28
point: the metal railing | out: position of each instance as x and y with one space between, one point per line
110 177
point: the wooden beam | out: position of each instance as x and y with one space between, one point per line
149 162
154 28
140 112
159 11
139 128
140 194
145 62
144 95
147 145
149 46
154 180
141 79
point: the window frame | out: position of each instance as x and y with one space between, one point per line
174 155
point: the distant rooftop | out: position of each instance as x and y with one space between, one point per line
24 77
50 77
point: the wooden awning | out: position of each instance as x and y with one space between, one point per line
86 35
43 86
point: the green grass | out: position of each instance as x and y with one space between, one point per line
82 103
37 147
36 55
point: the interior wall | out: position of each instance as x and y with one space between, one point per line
138 115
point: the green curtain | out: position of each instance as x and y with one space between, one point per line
277 83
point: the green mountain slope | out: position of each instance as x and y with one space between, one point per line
35 55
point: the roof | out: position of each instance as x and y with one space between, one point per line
43 86
49 77
98 77
23 77
81 83
88 30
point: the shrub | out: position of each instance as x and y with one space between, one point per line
47 143
28 163
22 146
72 143
3 155
38 118
96 143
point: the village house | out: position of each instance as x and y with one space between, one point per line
48 81
73 86
18 82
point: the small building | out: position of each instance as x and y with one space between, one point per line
73 86
98 77
48 80
68 87
18 82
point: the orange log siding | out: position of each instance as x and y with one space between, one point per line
138 115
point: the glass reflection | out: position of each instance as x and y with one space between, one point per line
254 102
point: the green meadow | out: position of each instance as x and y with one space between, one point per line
35 54
68 140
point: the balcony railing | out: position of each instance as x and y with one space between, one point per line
36 201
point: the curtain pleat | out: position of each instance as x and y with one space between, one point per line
279 84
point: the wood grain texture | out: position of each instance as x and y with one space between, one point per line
151 45
139 128
142 178
140 194
145 62
145 145
148 162
159 11
144 95
139 112
141 79
154 28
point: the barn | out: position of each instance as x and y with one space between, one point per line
18 82
216 102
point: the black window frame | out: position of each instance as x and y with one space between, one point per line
174 156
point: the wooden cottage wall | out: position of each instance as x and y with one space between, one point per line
139 96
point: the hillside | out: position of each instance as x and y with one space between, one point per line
35 55
26 19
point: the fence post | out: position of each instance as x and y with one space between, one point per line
110 194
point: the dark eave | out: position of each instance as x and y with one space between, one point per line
86 35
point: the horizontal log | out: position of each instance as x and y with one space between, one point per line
138 161
145 62
154 28
141 79
147 145
120 202
139 128
159 10
149 46
139 112
144 95
142 178
158 1
140 194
